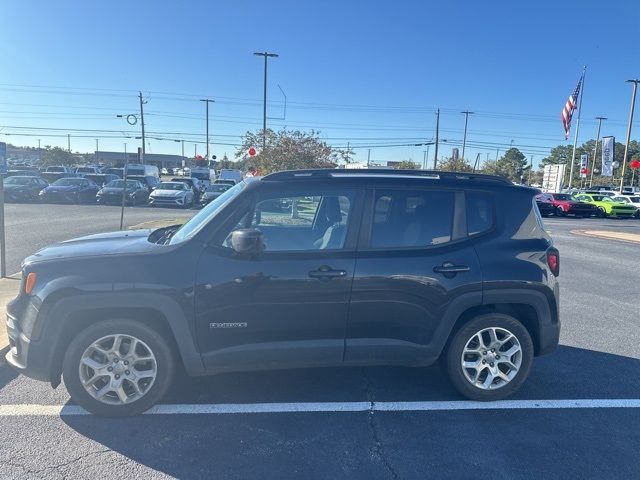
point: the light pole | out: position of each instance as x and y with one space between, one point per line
595 149
97 151
464 139
124 186
207 102
69 142
266 55
626 147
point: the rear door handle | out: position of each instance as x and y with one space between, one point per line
449 269
326 272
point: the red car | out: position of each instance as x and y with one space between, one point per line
565 204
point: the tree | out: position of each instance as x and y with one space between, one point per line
454 165
56 156
511 164
407 165
286 150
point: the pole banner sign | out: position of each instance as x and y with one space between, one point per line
608 153
584 165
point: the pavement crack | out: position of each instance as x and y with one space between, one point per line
377 451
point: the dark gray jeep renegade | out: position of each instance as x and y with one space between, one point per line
305 268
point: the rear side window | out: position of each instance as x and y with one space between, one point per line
405 218
479 212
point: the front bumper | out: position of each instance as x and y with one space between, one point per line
167 201
59 197
30 358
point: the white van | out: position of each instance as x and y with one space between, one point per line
205 174
230 174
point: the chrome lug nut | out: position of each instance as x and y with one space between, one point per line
109 369
491 365
127 372
484 361
117 376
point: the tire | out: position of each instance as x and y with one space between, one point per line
560 212
149 391
498 388
601 213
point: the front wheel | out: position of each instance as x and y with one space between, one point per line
118 368
601 212
560 212
490 357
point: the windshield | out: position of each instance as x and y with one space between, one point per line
205 215
171 186
564 197
120 184
606 199
218 188
65 182
17 181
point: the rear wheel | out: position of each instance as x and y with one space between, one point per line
559 212
490 357
118 368
601 212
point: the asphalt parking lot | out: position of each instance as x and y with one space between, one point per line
578 416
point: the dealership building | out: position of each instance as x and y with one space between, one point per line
118 159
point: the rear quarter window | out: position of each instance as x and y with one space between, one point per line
480 212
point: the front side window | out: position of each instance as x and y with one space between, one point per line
421 218
317 221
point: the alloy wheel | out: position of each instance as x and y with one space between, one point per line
118 369
491 358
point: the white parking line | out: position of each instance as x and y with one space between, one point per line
21 410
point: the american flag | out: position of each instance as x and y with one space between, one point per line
569 107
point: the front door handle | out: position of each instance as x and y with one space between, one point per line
449 269
326 272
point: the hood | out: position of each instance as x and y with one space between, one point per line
61 188
113 243
168 193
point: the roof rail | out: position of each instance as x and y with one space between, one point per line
339 172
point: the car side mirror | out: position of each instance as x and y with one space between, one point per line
247 241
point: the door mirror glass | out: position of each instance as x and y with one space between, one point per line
247 241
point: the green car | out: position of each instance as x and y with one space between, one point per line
608 207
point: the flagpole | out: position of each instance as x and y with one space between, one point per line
575 139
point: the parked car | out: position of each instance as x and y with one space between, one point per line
213 191
119 172
23 189
230 174
172 194
136 193
148 181
545 207
58 169
565 204
101 179
195 184
51 177
607 207
87 169
231 183
630 190
21 173
631 200
164 171
70 190
137 169
373 269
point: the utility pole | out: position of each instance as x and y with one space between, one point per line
266 55
38 144
595 149
424 160
124 189
97 151
142 125
530 169
497 153
368 157
195 150
464 138
69 142
626 147
207 102
435 156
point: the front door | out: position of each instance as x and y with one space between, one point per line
287 306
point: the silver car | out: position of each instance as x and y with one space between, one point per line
172 194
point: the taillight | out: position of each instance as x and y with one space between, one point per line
553 260
30 283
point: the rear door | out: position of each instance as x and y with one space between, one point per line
414 260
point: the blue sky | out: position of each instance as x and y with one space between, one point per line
367 73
